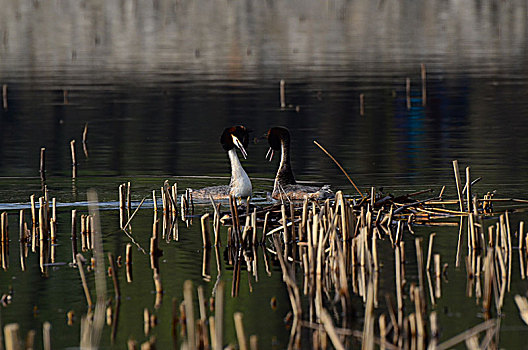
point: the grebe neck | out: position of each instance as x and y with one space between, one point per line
240 183
285 173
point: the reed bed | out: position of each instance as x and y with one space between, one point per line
328 254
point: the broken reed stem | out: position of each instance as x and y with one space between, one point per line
340 167
239 326
74 159
282 94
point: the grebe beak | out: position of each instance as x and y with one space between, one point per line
237 143
269 154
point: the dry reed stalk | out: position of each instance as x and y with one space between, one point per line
458 184
467 334
362 104
85 140
340 167
430 250
115 280
4 96
282 94
438 273
239 326
254 240
42 225
460 242
424 85
128 200
79 258
11 336
74 160
128 262
419 305
189 313
206 234
43 164
383 331
468 189
253 342
74 235
219 316
53 234
420 267
247 228
399 287
46 334
286 235
329 327
408 92
368 328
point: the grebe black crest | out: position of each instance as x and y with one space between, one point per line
240 185
285 185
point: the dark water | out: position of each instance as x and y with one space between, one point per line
157 82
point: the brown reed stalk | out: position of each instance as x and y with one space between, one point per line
115 280
43 164
408 92
74 159
282 94
4 96
424 84
361 104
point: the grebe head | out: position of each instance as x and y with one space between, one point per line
276 136
235 136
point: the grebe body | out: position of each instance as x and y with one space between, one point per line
285 185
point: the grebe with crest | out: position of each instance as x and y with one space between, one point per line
285 185
240 185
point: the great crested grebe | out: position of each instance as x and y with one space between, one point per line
285 184
240 185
